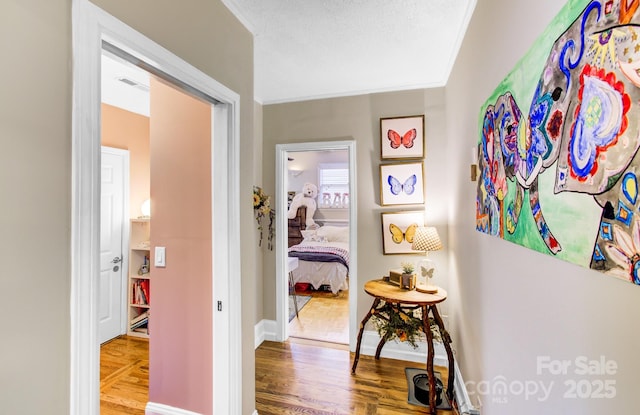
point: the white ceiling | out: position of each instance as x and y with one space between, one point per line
326 48
124 85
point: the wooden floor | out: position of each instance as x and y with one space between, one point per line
124 376
295 378
325 317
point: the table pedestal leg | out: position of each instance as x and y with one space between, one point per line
379 348
430 352
364 321
446 340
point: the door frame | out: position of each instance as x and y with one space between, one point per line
124 312
90 27
282 282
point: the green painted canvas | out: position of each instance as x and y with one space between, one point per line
559 138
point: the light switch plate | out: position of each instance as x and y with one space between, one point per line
160 257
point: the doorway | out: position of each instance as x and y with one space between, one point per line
91 28
169 140
318 241
125 127
283 153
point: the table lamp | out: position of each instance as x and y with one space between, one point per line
145 208
426 239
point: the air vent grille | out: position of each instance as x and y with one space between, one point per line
133 83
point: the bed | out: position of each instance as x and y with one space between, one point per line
323 258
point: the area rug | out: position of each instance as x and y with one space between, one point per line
410 373
302 301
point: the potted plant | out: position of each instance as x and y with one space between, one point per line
408 276
403 324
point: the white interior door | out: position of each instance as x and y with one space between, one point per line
111 307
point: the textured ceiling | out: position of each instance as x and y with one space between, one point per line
324 48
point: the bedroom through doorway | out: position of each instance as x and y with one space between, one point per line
318 201
330 280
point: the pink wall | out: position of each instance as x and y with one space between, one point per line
129 131
180 349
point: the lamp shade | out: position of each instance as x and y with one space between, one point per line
426 239
146 208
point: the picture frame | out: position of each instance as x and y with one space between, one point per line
398 229
402 184
402 138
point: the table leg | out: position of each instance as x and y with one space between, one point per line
446 340
364 321
430 353
379 348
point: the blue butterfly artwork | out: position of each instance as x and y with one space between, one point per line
397 187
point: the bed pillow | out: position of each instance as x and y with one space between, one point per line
311 235
334 233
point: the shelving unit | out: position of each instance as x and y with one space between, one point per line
139 307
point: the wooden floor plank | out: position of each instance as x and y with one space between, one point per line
294 377
301 378
124 376
325 317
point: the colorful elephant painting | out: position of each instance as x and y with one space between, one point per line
582 125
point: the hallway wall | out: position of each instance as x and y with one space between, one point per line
513 305
35 206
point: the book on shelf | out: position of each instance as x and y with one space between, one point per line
144 286
140 292
140 317
135 297
140 323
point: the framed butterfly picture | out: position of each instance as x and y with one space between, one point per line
402 137
401 184
398 230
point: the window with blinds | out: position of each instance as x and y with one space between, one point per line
333 185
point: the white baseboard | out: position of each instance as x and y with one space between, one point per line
160 409
265 330
401 350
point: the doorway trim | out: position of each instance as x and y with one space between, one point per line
91 26
282 282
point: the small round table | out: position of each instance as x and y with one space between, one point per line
389 293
